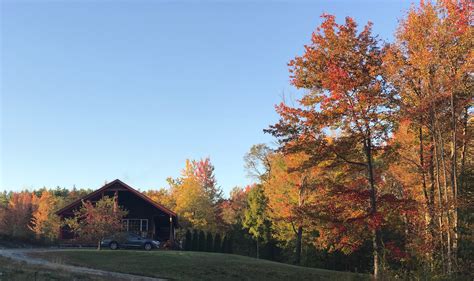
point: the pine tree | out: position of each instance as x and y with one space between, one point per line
224 244
195 243
188 245
217 243
202 241
209 242
255 216
229 248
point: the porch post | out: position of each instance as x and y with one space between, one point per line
171 229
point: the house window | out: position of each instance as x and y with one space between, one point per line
135 225
144 225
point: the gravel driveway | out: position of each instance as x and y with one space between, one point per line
21 255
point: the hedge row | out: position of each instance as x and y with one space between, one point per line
200 241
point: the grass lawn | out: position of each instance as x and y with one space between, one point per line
178 265
12 271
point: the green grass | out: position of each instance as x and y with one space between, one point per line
12 271
178 265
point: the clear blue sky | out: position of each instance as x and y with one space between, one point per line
98 90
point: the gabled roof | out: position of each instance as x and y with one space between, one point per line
105 187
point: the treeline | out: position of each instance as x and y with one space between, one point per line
29 215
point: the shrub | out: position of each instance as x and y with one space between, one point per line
228 248
224 244
209 242
195 243
217 243
202 241
188 243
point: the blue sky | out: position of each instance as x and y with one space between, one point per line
97 90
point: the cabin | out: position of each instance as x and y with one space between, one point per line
145 216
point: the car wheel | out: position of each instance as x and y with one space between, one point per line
148 246
113 245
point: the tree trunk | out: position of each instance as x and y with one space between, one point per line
299 238
299 233
428 197
465 141
440 200
99 246
447 202
432 199
373 205
454 175
422 167
375 245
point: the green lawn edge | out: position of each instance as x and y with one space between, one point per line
180 265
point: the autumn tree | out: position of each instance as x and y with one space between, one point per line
430 65
257 162
196 196
18 213
95 221
233 209
204 172
194 207
44 223
162 196
347 95
289 188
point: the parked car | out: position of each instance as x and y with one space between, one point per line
130 240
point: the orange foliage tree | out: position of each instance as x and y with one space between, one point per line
289 188
17 215
96 221
44 223
430 64
342 71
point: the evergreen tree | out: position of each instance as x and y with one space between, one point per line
202 241
228 249
255 216
188 246
195 243
209 242
217 243
224 244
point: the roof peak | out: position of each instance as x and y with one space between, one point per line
107 185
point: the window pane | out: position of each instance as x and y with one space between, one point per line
144 225
134 225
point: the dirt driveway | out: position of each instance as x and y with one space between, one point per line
22 255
